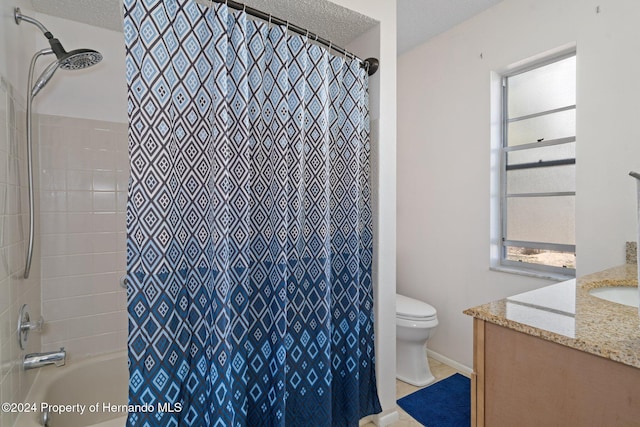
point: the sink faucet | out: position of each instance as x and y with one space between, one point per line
38 360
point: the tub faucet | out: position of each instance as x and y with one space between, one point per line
38 360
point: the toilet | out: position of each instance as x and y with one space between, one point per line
415 324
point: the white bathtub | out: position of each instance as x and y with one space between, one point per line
93 382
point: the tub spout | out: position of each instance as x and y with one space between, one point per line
38 360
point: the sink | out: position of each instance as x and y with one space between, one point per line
626 295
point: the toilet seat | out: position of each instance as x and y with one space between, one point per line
412 309
416 319
419 324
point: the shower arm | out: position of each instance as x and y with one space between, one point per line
19 17
30 96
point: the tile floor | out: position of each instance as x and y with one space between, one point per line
439 370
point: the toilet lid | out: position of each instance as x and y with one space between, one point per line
410 308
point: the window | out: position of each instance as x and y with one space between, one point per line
538 160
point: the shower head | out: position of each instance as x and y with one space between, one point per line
79 59
75 60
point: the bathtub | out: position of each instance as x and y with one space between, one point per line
96 386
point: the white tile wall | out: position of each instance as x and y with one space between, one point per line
14 289
84 170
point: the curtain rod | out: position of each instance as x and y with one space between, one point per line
369 64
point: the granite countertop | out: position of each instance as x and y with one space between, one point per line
565 313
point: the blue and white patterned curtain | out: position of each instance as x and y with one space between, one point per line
249 224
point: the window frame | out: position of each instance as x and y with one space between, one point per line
504 195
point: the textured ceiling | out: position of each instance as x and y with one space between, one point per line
322 17
420 20
100 13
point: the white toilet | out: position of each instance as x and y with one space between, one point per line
415 324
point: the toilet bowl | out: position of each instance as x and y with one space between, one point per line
415 324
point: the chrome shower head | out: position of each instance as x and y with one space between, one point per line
75 60
79 59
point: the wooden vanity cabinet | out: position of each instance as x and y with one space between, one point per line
522 380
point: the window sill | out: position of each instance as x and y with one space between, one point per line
531 273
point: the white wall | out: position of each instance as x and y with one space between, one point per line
381 43
444 119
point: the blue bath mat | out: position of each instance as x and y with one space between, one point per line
446 403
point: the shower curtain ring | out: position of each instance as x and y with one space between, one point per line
244 8
269 20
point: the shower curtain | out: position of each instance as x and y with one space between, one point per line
249 224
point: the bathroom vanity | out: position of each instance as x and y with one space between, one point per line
558 356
